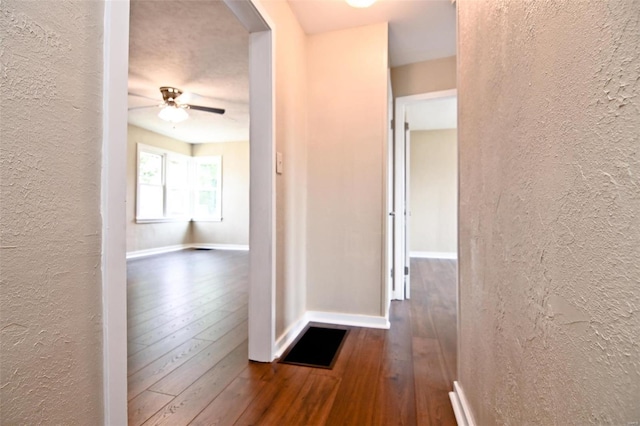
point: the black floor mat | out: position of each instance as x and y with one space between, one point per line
318 347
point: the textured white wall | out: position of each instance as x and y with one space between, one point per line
433 187
549 141
347 78
50 226
234 227
144 236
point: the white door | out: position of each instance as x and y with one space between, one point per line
400 252
407 210
390 242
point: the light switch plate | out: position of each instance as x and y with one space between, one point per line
279 165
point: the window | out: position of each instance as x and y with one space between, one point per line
150 185
208 188
163 185
178 188
175 187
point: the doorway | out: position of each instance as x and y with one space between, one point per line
262 203
435 225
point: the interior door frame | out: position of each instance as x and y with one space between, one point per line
113 195
388 210
113 209
262 191
400 196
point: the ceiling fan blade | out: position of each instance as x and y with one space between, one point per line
206 109
145 97
145 106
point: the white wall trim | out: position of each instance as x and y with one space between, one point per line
388 204
461 420
410 99
262 136
461 407
113 196
253 18
112 208
290 335
158 250
262 228
401 103
354 320
168 249
434 254
215 246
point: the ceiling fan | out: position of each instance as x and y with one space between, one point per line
173 110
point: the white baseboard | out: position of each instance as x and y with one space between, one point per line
296 328
244 247
158 250
289 336
461 407
169 249
457 409
348 319
434 254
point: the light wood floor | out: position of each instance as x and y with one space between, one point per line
187 318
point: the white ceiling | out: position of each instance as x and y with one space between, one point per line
433 114
419 30
199 47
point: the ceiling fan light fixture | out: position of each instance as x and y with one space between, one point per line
361 4
173 114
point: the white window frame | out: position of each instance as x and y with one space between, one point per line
217 216
165 154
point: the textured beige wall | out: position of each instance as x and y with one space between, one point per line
144 236
50 226
347 78
433 185
549 104
234 227
424 77
291 186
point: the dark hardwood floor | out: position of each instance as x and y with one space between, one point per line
187 321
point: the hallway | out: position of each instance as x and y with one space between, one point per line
187 352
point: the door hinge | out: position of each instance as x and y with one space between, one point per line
393 124
406 126
406 270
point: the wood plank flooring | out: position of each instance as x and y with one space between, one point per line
187 325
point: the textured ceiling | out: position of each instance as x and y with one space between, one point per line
198 47
418 29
